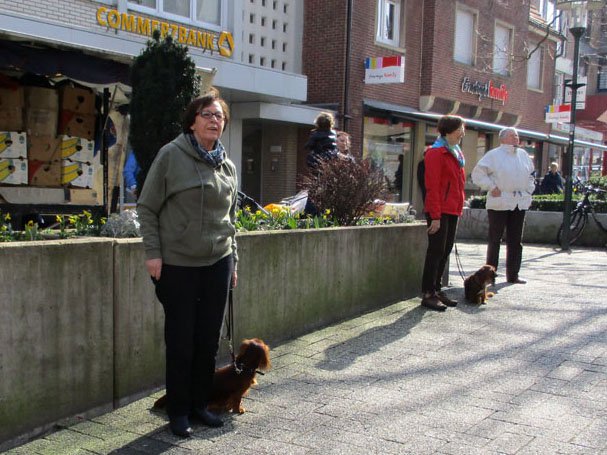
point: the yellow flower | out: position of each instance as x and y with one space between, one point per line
30 224
328 212
258 212
7 217
58 218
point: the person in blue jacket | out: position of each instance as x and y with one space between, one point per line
130 171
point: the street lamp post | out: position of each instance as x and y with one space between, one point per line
579 14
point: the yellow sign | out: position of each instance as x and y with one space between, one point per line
215 42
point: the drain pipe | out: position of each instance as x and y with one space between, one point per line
346 102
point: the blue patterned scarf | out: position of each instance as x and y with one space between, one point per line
214 157
455 150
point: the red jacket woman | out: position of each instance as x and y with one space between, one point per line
444 180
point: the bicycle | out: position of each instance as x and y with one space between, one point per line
579 215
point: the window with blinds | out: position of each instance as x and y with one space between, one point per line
465 34
502 48
534 69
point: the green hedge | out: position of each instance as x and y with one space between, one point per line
545 202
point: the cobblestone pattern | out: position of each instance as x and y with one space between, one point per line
524 374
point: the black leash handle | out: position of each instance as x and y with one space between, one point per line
229 321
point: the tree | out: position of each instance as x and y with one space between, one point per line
164 82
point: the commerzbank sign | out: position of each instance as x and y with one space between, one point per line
221 42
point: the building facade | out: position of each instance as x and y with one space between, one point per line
249 49
391 68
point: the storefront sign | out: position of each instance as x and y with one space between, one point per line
384 70
558 113
485 90
203 39
580 97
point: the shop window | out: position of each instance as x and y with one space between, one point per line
502 49
388 144
534 69
602 79
208 12
389 22
465 36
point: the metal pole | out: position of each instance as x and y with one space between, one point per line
577 33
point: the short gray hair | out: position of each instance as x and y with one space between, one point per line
504 132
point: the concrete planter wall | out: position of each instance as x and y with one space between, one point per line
540 227
82 331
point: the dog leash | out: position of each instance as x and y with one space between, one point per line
229 321
458 262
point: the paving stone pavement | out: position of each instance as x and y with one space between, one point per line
524 374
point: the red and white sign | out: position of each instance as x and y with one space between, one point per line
384 70
558 113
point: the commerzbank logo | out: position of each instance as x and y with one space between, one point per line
222 42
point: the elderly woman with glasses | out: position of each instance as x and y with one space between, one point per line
187 210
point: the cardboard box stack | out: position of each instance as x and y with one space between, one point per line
77 119
41 114
12 100
46 135
13 140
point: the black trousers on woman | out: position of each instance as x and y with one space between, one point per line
194 300
440 245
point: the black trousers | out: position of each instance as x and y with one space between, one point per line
194 301
513 222
440 245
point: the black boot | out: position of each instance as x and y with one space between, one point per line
207 417
180 426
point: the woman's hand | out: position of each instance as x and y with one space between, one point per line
234 279
434 227
154 267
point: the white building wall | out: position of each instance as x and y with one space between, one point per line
271 34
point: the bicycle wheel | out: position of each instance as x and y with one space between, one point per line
576 227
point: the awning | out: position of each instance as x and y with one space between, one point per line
411 113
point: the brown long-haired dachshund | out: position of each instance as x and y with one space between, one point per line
232 382
476 285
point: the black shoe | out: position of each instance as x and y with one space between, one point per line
517 280
433 303
445 300
207 417
180 426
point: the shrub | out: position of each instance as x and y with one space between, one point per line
545 202
345 188
598 181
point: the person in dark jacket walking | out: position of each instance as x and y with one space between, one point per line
187 210
444 181
552 182
322 143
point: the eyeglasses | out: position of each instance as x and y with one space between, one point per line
207 115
